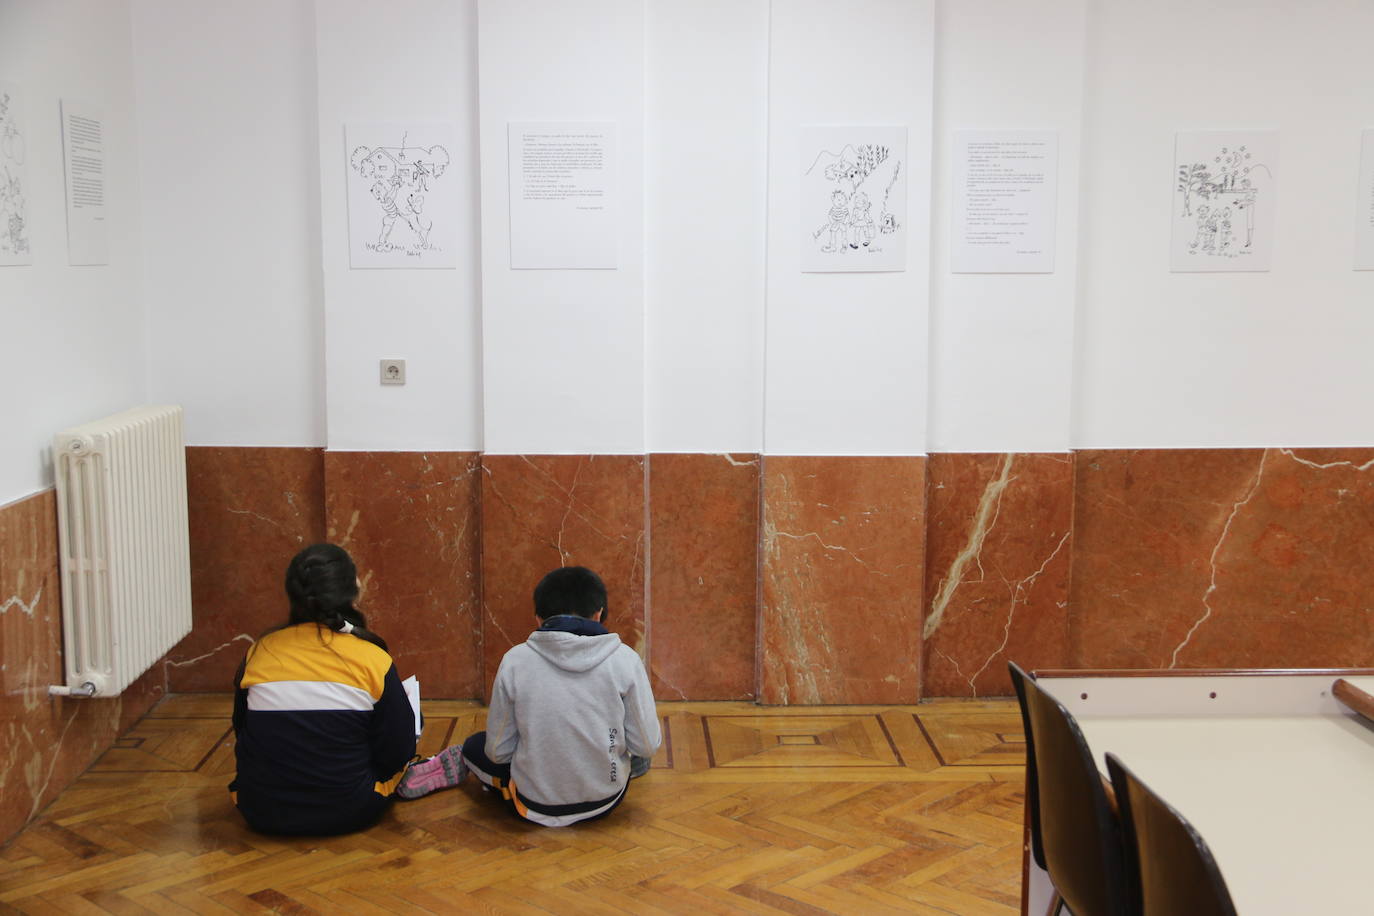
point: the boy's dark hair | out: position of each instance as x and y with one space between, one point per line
570 590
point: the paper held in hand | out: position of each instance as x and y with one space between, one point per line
412 686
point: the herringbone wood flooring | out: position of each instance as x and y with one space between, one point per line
864 810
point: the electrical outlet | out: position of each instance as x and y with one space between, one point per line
393 372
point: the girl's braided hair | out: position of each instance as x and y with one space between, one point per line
322 584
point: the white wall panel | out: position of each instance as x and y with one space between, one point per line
705 201
846 359
231 258
72 337
411 61
1168 360
563 350
1001 345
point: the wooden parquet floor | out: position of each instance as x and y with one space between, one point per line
798 810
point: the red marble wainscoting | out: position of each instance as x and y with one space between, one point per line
411 521
251 510
45 742
1196 558
540 512
843 554
703 582
998 546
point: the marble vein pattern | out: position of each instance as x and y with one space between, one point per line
251 510
1224 558
843 552
540 512
411 521
45 742
703 582
998 547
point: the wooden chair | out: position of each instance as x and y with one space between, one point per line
1037 850
1173 867
1074 833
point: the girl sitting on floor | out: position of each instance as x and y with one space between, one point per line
323 724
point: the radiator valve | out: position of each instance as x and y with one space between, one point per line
61 690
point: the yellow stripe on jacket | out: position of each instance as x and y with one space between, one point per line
309 652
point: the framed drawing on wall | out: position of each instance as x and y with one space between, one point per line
853 198
402 203
1223 209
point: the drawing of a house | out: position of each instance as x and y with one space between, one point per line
386 163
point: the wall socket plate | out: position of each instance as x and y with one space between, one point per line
393 372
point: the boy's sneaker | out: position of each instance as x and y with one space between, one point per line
445 769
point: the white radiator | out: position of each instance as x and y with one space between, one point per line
124 546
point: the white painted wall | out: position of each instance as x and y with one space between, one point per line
416 61
72 337
563 350
228 163
705 208
256 323
846 370
1233 359
1001 348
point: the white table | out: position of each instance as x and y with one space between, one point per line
1275 774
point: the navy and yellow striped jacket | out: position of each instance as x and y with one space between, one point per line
321 720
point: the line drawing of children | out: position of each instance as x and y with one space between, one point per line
1209 232
860 221
1200 240
1232 184
836 222
841 186
1224 232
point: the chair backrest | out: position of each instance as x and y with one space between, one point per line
1018 678
1175 868
1079 833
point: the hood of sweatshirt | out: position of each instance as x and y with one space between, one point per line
570 651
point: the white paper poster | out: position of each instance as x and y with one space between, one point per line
1364 206
853 198
402 206
1224 196
83 146
1005 192
563 195
14 181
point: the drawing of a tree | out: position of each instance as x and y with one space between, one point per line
1193 179
869 156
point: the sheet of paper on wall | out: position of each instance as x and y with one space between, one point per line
1364 206
83 147
402 198
14 179
1224 185
853 198
1005 194
412 688
563 195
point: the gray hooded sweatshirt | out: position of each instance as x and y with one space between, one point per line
567 711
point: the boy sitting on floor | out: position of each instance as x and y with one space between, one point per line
572 718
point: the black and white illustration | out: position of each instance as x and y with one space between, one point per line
14 181
1223 211
853 199
401 198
